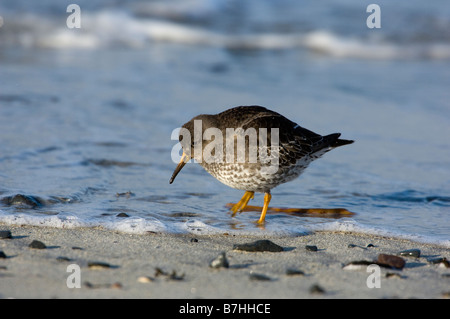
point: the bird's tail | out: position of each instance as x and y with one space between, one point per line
333 140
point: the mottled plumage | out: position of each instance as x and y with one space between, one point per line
274 164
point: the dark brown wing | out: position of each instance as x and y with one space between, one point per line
295 142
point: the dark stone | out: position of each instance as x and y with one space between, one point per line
4 234
21 200
194 240
174 276
294 272
370 245
63 258
440 261
259 277
2 254
436 260
259 245
316 289
122 215
311 248
36 244
169 276
410 253
390 261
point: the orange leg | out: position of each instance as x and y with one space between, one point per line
240 206
267 198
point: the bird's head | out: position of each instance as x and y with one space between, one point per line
191 137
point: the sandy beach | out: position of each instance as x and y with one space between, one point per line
107 264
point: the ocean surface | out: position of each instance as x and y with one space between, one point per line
87 114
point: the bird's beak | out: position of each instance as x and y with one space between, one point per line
184 159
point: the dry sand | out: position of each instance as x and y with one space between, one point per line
178 266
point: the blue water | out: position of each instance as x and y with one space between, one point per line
87 115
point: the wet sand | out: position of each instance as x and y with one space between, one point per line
108 264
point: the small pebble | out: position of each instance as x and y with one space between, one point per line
36 244
259 277
294 272
63 258
316 289
2 254
126 194
145 279
116 285
4 234
174 276
98 265
220 261
391 261
160 272
169 276
123 215
370 245
441 261
21 200
77 248
194 240
258 246
393 275
410 253
357 265
311 248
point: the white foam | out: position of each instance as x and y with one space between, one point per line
327 43
109 28
113 28
198 227
138 225
57 221
135 225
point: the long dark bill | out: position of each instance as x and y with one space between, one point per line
184 159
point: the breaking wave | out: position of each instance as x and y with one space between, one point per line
112 28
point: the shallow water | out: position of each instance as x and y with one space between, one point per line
86 116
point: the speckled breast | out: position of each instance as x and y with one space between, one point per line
254 177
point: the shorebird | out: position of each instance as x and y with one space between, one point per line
254 149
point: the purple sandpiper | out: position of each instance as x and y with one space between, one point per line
273 150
